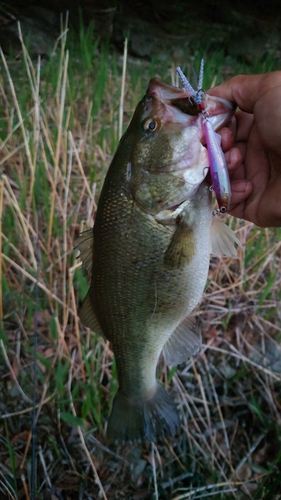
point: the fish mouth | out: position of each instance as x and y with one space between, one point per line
186 105
173 96
219 110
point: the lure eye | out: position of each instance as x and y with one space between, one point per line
150 125
223 209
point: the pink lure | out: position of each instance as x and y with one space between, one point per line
217 163
218 167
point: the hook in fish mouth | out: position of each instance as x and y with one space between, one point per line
219 110
198 102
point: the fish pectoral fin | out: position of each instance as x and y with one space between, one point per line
184 342
85 243
181 248
87 315
223 239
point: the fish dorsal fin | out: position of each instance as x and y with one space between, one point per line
184 342
85 243
87 315
223 239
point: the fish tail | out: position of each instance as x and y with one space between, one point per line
144 419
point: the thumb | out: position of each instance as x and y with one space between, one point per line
246 90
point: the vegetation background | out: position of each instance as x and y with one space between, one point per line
60 122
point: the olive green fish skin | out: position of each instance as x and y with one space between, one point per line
136 287
150 256
139 281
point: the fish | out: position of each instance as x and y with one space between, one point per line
148 253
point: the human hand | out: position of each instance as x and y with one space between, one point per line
252 145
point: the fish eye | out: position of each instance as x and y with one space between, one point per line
150 125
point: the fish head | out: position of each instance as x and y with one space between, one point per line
163 132
166 137
167 126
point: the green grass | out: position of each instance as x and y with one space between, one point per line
59 129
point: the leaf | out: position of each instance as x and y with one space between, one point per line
72 419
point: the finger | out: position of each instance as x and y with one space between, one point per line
245 90
240 191
238 129
234 157
244 124
227 138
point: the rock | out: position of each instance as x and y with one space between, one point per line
39 27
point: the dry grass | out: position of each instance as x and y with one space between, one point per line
58 132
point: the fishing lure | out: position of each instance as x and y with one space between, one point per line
217 162
218 167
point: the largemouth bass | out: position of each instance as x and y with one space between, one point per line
148 253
